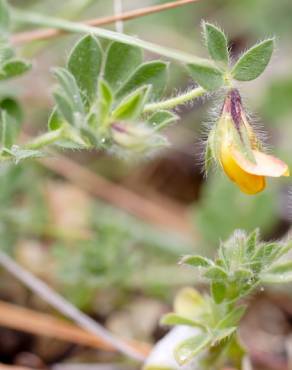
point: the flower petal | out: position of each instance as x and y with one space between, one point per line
248 183
266 165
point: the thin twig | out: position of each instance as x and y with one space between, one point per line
66 308
118 9
44 34
30 321
12 367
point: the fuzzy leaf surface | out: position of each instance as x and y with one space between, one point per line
85 63
254 61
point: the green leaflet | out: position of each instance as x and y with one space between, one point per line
85 63
206 75
132 105
162 118
189 348
151 73
120 62
216 42
14 68
253 62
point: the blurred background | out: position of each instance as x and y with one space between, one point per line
109 238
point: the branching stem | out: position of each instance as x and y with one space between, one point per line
177 100
45 139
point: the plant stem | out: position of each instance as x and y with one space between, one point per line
132 14
24 17
118 9
178 100
45 139
62 305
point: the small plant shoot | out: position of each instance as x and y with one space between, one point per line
115 100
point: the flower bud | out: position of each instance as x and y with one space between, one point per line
136 137
234 144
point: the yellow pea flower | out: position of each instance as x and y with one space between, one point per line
238 150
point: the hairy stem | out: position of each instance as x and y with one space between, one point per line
132 14
24 17
45 139
173 102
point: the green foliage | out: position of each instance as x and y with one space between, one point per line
208 76
191 347
212 75
216 43
132 106
254 61
162 118
14 68
152 73
278 273
197 261
10 66
85 64
10 122
175 319
104 100
243 262
100 98
121 62
20 220
68 97
10 125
